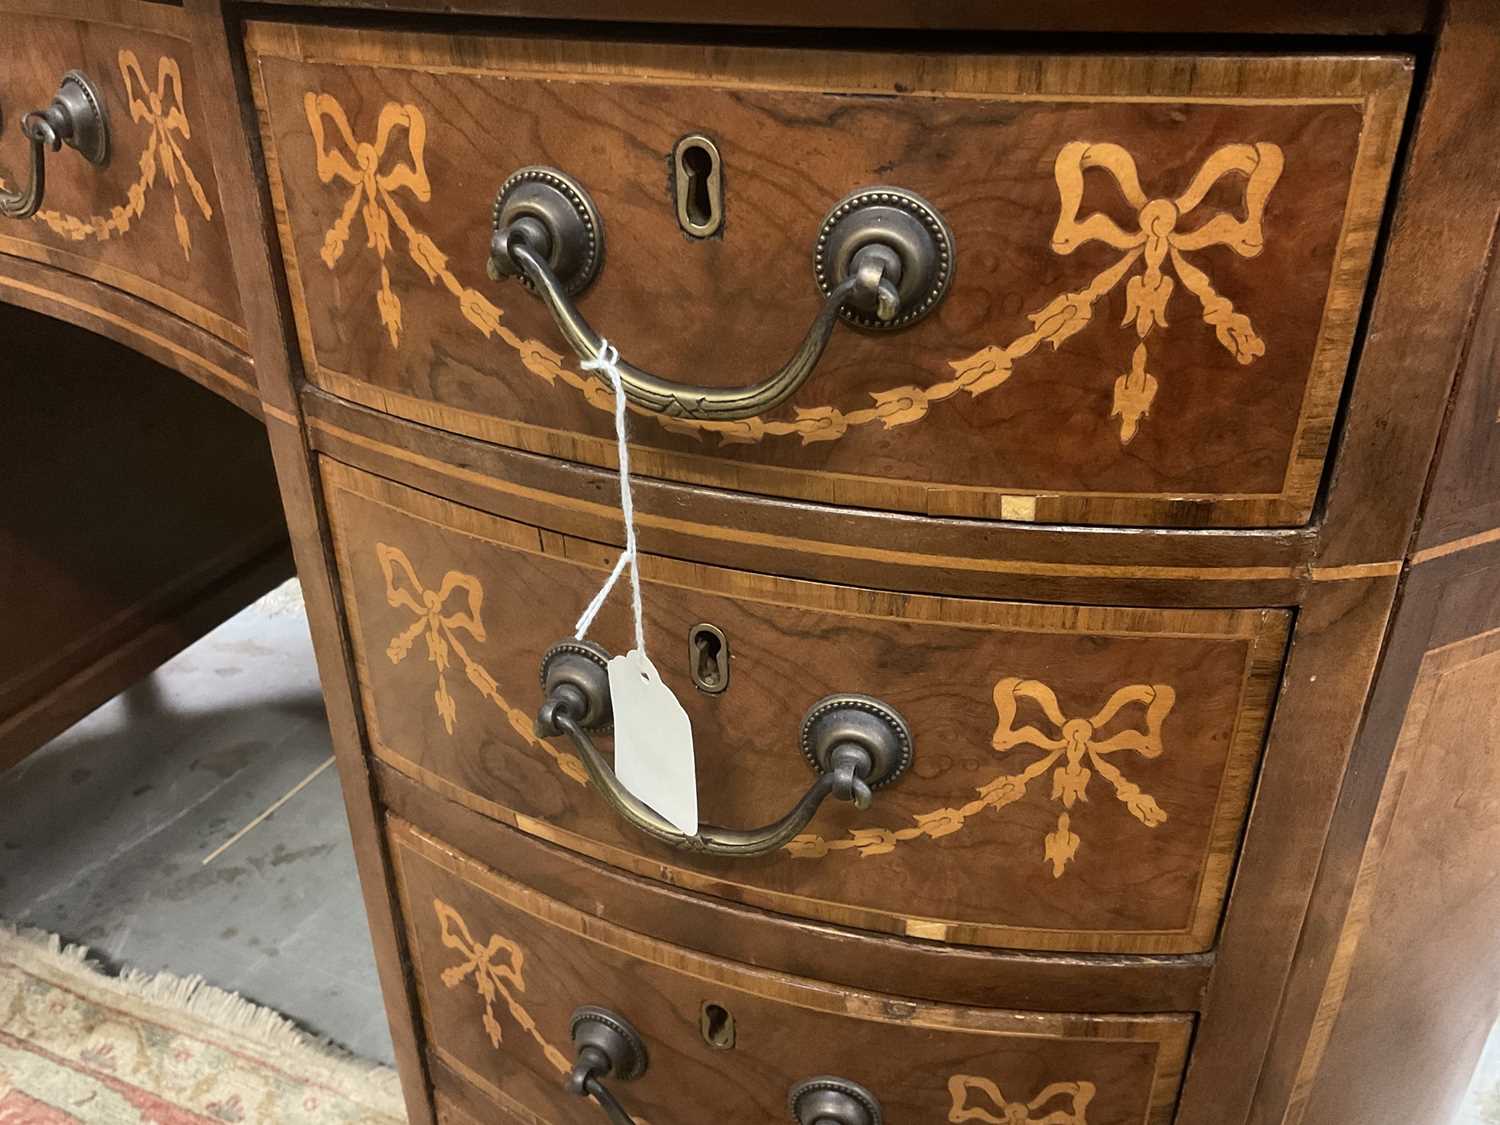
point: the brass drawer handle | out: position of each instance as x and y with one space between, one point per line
855 743
884 258
75 118
833 1101
607 1047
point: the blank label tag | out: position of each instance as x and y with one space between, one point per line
653 741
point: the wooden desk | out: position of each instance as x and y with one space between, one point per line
1166 518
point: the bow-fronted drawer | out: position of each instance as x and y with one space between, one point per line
1069 289
1036 776
106 172
539 1010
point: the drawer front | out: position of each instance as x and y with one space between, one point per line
149 221
1080 775
1158 262
500 969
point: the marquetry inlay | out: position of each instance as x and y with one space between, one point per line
1070 747
439 617
979 1099
1074 749
160 110
1162 232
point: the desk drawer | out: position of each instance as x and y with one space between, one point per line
147 221
500 970
1154 265
1079 776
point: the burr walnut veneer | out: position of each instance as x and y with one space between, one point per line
1109 582
1068 182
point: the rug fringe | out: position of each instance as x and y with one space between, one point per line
358 1079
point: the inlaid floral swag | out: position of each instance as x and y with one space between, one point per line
439 616
160 110
497 970
1072 748
1158 235
1069 748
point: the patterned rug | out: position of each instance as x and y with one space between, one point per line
78 1047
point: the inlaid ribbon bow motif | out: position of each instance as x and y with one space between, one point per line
442 614
1161 232
497 968
435 622
1074 750
160 108
377 171
375 175
1074 742
1062 1103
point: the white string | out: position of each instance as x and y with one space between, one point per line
607 359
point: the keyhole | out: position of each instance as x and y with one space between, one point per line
699 179
717 1026
698 164
708 658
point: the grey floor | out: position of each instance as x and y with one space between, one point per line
104 832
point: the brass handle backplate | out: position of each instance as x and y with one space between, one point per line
607 1046
883 258
833 1101
856 744
76 118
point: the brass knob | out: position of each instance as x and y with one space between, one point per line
902 233
607 1047
76 118
833 1101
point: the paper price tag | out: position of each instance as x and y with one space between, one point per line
653 741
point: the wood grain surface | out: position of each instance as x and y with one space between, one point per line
1463 508
1430 856
1011 402
500 969
1426 314
135 322
150 221
1118 841
1389 998
909 18
963 975
888 550
1073 505
248 220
